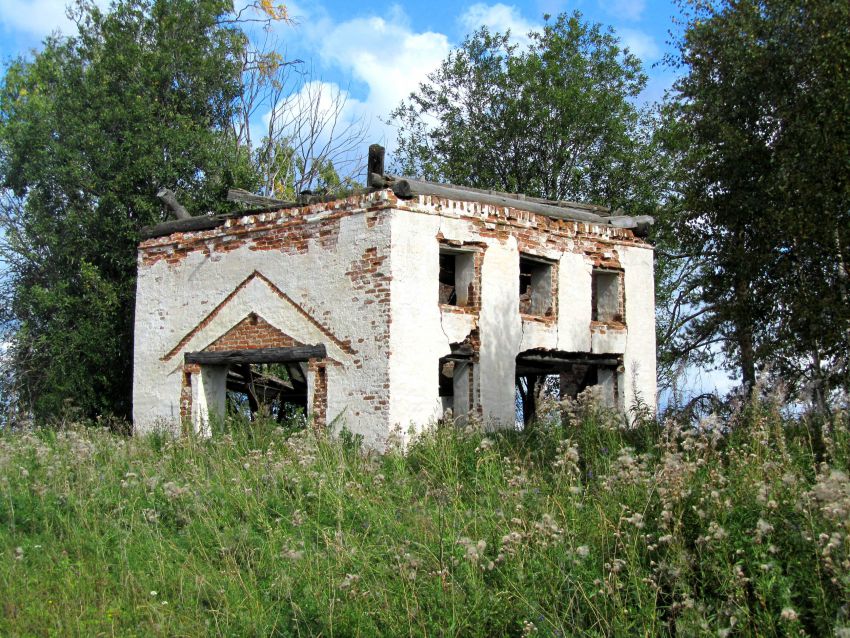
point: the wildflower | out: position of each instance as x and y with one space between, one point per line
582 551
19 553
717 532
636 519
486 444
474 551
511 543
548 529
567 457
153 594
763 528
173 491
788 614
292 554
409 565
349 581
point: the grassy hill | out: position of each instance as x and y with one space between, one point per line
582 527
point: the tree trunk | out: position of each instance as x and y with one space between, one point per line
744 336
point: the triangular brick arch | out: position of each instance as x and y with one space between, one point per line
251 333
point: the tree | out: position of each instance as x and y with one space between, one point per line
308 130
761 129
556 119
90 128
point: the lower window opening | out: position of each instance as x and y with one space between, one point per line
271 390
546 374
455 382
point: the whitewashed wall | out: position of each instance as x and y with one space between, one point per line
173 299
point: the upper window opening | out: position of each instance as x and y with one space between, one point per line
457 278
607 298
535 287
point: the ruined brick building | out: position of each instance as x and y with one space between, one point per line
389 306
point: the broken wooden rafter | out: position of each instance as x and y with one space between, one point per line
208 222
375 166
548 362
592 208
167 197
406 188
244 197
236 375
258 355
639 224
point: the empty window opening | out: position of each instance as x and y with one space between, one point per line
542 374
535 287
270 390
456 379
457 278
607 303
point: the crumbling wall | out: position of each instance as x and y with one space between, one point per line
423 329
316 275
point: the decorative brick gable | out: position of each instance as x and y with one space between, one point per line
251 333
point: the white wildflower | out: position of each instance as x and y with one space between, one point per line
788 614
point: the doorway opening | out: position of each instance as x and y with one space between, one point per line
560 375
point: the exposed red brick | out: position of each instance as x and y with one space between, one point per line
252 333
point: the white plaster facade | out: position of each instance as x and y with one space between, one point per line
360 275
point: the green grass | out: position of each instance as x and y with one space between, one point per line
581 527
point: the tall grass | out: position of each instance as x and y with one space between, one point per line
581 527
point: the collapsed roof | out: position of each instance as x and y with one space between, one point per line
409 188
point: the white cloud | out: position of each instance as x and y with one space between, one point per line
334 117
496 17
624 9
640 44
383 53
37 18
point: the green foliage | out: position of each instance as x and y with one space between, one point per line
582 528
90 128
761 133
555 120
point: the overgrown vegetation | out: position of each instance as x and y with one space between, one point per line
735 527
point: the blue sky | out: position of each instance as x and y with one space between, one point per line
377 52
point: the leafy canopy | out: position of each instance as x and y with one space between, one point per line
90 128
555 119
